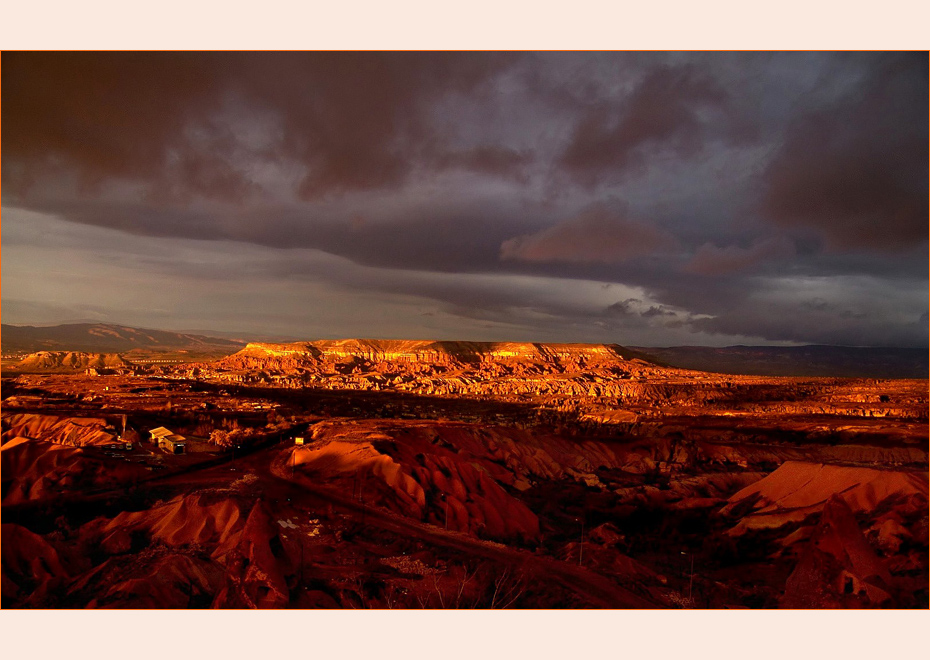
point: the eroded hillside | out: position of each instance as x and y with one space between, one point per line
438 474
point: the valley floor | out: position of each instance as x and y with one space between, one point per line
787 494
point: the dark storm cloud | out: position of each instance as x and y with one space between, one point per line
109 115
790 323
350 120
493 160
710 259
655 310
596 235
663 110
624 307
847 309
856 170
724 192
358 121
444 237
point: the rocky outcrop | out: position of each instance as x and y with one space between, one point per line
403 468
31 565
72 431
838 567
797 490
69 362
35 470
242 569
599 383
559 357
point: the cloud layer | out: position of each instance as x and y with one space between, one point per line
642 198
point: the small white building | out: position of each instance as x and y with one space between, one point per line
159 433
168 441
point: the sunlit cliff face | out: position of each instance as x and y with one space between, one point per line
428 352
603 384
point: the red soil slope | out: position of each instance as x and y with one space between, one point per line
155 558
796 490
30 564
838 567
409 473
74 431
182 521
34 469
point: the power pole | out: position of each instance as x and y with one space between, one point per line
691 581
691 578
361 486
581 547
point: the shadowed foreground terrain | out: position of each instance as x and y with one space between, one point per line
388 474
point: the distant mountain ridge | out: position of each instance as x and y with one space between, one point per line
108 338
804 361
813 360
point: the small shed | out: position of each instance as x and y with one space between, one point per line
173 444
168 441
159 433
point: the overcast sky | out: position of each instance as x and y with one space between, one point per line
636 198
